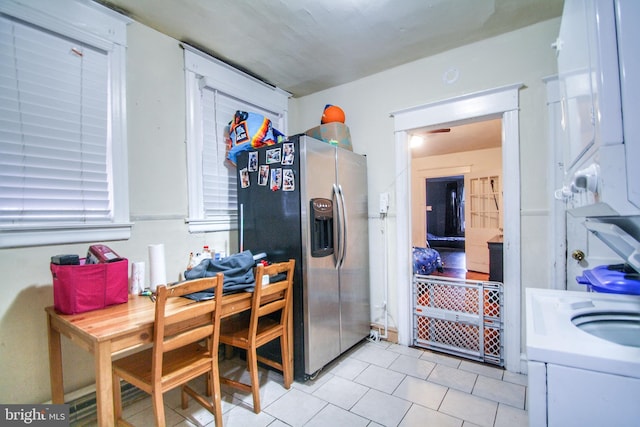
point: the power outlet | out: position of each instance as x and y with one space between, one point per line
384 203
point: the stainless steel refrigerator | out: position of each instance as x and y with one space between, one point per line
306 199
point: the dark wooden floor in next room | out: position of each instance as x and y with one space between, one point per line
454 262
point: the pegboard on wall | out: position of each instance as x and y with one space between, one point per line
460 317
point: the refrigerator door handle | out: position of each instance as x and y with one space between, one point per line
337 253
345 227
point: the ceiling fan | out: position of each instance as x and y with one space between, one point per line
418 139
441 130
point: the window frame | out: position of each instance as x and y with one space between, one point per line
102 28
204 71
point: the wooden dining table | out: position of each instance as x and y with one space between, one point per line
110 331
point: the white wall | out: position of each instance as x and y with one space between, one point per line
523 56
156 132
158 191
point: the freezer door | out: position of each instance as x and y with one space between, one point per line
269 220
320 284
354 264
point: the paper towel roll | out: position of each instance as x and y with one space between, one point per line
157 270
137 277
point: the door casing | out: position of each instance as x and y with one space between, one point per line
501 102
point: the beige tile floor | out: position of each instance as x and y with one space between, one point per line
373 384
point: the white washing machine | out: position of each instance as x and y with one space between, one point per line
583 352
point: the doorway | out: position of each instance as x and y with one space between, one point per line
502 103
462 169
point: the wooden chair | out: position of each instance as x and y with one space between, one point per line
185 346
263 325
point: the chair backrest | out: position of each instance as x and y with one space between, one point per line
177 325
274 296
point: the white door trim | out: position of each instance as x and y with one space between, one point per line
498 102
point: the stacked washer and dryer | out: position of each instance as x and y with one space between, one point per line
583 344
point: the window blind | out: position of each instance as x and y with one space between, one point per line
54 121
219 178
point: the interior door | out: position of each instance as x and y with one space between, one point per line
483 216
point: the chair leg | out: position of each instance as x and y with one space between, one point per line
214 405
213 391
252 361
158 408
209 383
216 392
228 351
286 361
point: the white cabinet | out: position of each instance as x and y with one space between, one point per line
588 75
566 396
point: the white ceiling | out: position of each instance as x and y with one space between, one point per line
304 46
467 137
